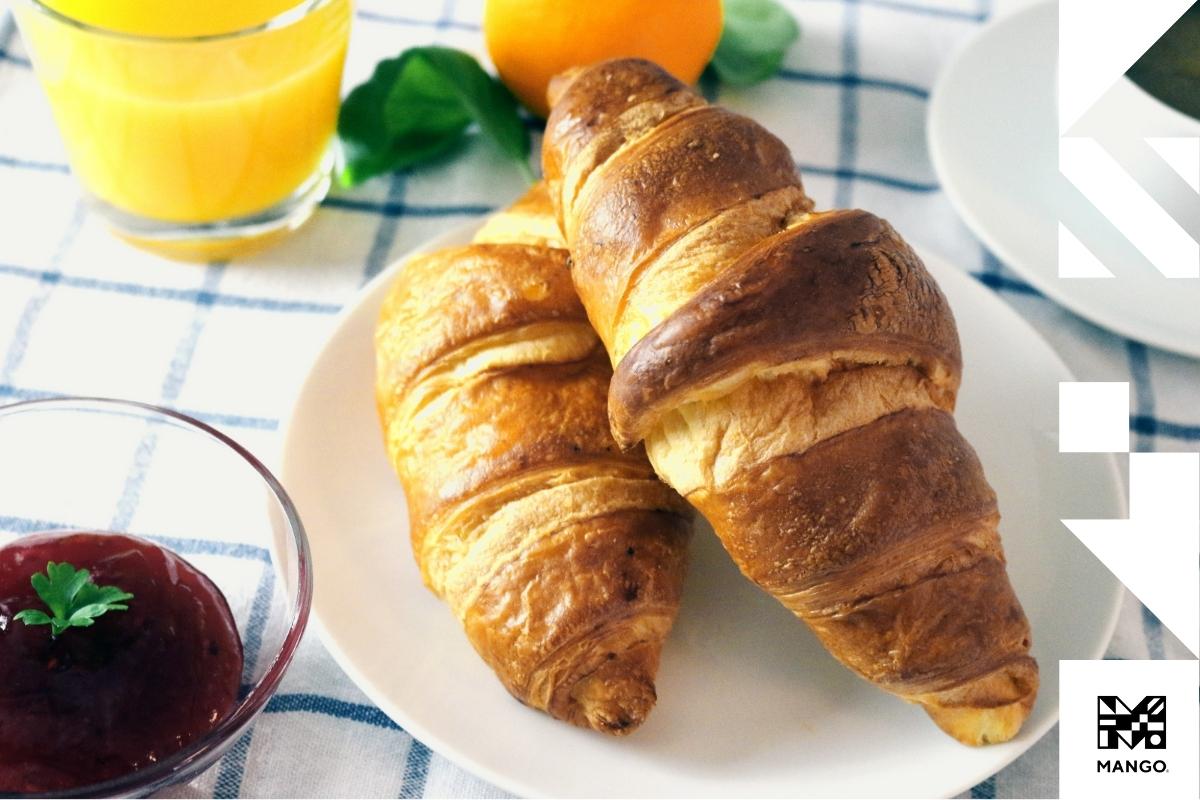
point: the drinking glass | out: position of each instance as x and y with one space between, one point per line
193 140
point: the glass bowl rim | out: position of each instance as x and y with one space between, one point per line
289 16
249 707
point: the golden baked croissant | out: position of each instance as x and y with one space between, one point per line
793 375
562 556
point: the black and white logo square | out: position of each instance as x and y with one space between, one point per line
1144 724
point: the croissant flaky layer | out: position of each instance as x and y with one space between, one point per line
793 374
562 555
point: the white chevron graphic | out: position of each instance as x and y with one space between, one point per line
1131 209
1097 41
1075 260
1156 552
1182 154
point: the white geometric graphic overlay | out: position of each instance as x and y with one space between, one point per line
1075 260
1155 552
1182 154
1129 207
1093 417
1097 41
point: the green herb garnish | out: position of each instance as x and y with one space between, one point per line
72 597
754 41
417 107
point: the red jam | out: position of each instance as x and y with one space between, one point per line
99 702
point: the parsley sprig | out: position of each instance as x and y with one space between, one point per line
73 598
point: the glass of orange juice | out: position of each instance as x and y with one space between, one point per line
198 129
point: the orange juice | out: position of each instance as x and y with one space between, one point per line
182 111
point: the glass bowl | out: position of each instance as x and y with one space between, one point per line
113 466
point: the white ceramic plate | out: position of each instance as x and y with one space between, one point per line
749 703
993 139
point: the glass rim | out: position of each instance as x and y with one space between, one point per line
283 19
159 774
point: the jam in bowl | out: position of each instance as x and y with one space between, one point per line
132 686
155 583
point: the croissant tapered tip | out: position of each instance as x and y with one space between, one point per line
980 726
614 700
990 709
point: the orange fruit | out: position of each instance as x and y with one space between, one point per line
531 41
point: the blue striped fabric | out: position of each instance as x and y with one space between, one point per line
59 269
853 80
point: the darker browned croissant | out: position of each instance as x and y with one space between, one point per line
793 375
562 556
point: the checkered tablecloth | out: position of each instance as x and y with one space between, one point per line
83 313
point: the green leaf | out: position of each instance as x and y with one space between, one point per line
58 587
487 100
401 154
416 108
422 100
31 616
91 594
756 37
373 145
72 597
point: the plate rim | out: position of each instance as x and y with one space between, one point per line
459 234
1104 318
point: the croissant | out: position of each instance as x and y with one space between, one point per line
562 556
793 375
